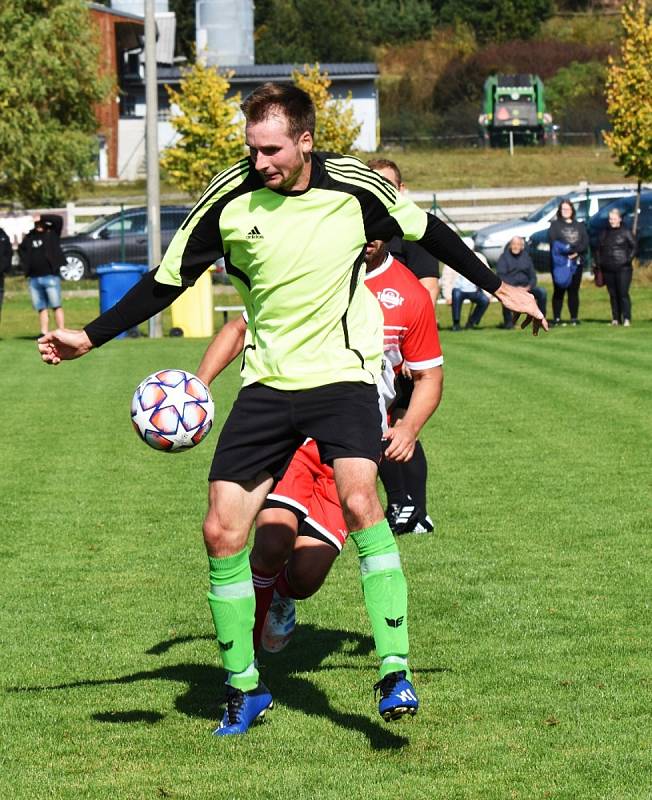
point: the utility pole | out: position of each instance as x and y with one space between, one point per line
151 144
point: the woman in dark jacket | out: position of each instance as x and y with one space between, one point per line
615 252
573 242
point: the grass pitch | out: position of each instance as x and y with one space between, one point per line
530 605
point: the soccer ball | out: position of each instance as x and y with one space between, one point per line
172 410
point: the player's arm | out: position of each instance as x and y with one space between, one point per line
224 347
426 396
195 246
446 245
146 298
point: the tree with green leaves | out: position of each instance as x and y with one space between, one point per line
497 20
396 21
336 128
209 125
49 85
629 97
300 31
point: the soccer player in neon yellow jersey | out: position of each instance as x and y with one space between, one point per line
292 226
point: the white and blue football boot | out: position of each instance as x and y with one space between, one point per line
279 625
243 709
397 696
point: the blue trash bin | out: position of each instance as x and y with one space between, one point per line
115 281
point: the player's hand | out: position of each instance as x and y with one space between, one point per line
402 441
405 371
520 301
63 345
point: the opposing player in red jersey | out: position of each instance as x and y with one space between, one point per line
301 529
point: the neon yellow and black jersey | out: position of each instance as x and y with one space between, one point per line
297 261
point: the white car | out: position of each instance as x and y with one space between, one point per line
491 240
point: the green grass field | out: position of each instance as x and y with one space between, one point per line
530 605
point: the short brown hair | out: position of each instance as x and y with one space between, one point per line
293 103
386 163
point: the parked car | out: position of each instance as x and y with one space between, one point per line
491 240
539 246
117 237
600 221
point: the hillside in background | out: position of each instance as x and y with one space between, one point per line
433 87
434 55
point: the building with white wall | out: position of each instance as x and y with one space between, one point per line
224 38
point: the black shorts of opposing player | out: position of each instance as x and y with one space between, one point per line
267 425
404 388
306 527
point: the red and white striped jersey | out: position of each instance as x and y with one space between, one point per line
410 327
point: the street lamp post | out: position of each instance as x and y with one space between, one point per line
151 145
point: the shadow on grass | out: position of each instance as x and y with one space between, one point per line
150 717
283 672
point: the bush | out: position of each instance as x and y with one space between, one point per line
463 81
575 96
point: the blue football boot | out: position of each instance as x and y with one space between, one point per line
397 696
243 709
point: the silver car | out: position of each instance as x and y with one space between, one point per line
491 240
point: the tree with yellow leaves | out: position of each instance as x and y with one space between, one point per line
336 128
629 97
211 135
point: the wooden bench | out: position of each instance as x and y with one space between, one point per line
225 311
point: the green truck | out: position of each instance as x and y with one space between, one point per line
514 111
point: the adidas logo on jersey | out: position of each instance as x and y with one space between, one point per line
254 233
390 298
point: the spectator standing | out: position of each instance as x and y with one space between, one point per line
42 256
615 252
573 243
6 253
515 267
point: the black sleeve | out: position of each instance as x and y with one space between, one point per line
416 259
440 241
147 298
584 239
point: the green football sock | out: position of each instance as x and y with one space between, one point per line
385 595
232 602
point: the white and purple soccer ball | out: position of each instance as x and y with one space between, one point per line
172 410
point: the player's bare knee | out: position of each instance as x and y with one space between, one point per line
220 539
361 509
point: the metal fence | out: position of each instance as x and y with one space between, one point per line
462 140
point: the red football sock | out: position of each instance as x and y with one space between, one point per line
264 590
282 586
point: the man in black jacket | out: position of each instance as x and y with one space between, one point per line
515 268
41 256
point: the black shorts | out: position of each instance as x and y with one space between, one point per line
267 425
